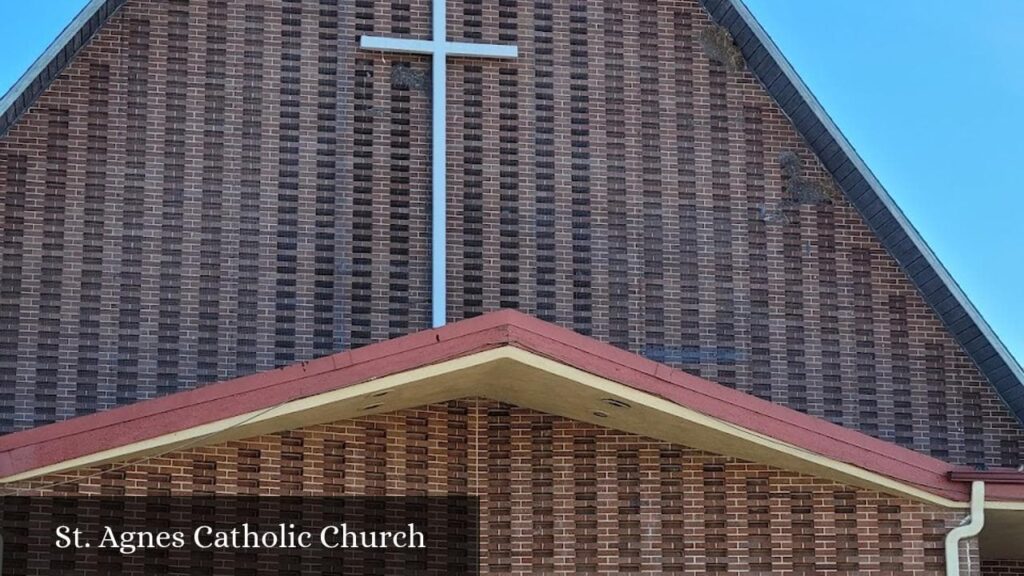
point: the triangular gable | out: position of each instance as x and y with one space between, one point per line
506 356
770 67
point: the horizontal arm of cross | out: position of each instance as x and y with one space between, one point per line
410 46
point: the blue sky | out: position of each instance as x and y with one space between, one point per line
928 91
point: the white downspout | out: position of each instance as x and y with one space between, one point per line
975 522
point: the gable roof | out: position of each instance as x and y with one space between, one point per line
486 356
771 68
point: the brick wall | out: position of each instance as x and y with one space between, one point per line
1002 568
566 497
216 188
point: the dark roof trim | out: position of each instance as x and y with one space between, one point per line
868 196
999 476
54 59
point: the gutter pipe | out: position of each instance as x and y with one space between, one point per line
974 523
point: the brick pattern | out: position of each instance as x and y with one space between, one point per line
217 188
566 497
1002 568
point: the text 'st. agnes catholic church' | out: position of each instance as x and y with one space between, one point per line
607 266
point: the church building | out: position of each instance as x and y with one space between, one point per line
605 267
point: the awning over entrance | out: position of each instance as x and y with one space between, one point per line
510 357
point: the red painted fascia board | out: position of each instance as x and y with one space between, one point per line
50 444
1001 484
422 347
46 445
992 476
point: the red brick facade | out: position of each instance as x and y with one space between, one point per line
215 188
566 497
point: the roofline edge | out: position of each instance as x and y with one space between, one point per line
915 237
10 113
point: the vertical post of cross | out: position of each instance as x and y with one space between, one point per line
439 166
439 48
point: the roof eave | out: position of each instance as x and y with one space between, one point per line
506 356
862 189
48 67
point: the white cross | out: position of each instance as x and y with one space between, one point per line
439 49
